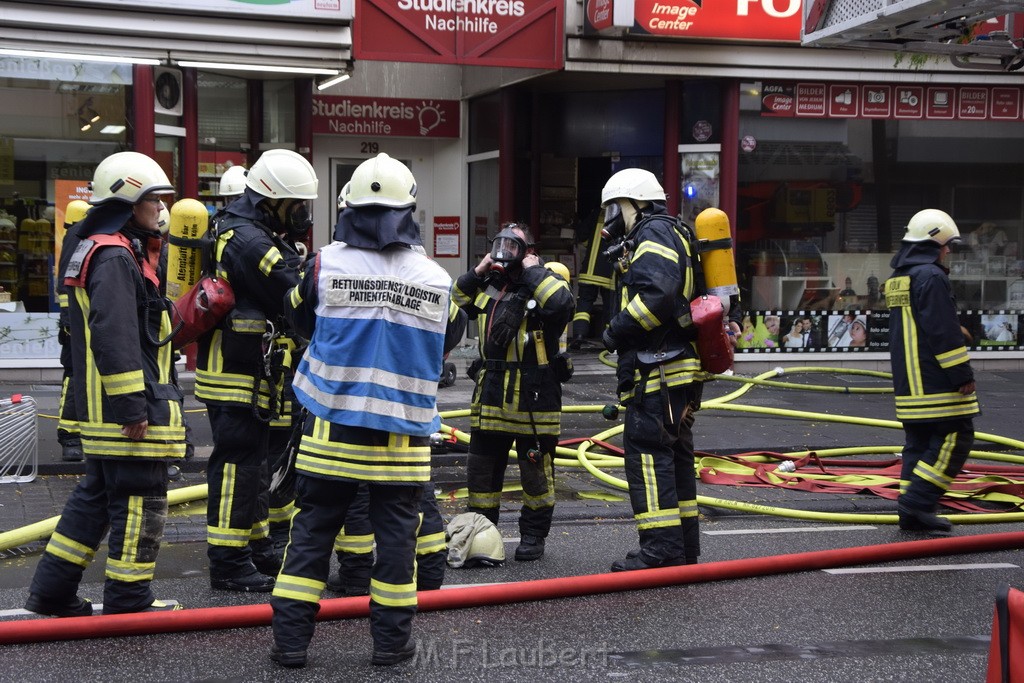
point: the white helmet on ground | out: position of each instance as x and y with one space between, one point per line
232 181
280 174
128 177
932 225
633 183
381 181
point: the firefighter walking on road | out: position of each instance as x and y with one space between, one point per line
522 309
658 368
931 371
128 407
239 366
379 318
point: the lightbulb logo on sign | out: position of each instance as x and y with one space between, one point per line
385 116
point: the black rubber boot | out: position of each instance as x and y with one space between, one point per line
72 607
530 548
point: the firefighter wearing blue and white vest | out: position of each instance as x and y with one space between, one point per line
658 373
129 409
240 364
931 370
596 279
379 317
522 309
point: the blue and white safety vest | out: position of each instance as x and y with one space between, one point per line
374 357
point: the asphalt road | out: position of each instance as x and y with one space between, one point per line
910 619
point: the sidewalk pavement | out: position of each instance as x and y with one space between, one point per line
716 431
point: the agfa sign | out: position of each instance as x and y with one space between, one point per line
507 33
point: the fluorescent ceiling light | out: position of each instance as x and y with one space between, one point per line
112 130
78 57
313 71
340 78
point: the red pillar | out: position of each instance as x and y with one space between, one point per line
673 113
190 145
143 117
729 160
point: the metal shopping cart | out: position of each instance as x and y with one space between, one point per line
19 440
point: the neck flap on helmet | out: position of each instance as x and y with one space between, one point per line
104 219
377 227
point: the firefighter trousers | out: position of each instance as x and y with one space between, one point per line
485 475
130 499
933 454
354 545
237 505
659 463
322 508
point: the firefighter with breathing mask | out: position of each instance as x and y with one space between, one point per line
242 364
658 367
522 309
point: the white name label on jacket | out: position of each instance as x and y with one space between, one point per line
394 293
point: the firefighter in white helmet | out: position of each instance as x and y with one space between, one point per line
129 412
931 370
378 315
232 181
658 367
243 364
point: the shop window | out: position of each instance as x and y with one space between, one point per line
223 131
61 118
822 205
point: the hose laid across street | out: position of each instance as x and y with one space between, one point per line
214 618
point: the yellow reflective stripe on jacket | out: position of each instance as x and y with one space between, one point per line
269 260
123 382
548 286
652 247
951 358
295 297
947 405
298 588
910 357
638 310
69 549
260 530
393 594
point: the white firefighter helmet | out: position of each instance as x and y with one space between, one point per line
934 225
381 181
128 177
633 183
232 181
282 173
341 200
487 547
474 540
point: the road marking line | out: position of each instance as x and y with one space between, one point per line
97 609
791 529
921 568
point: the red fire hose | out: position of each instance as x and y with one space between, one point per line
212 618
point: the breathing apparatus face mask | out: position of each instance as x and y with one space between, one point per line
614 222
291 217
507 251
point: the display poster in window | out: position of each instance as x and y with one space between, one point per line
447 230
